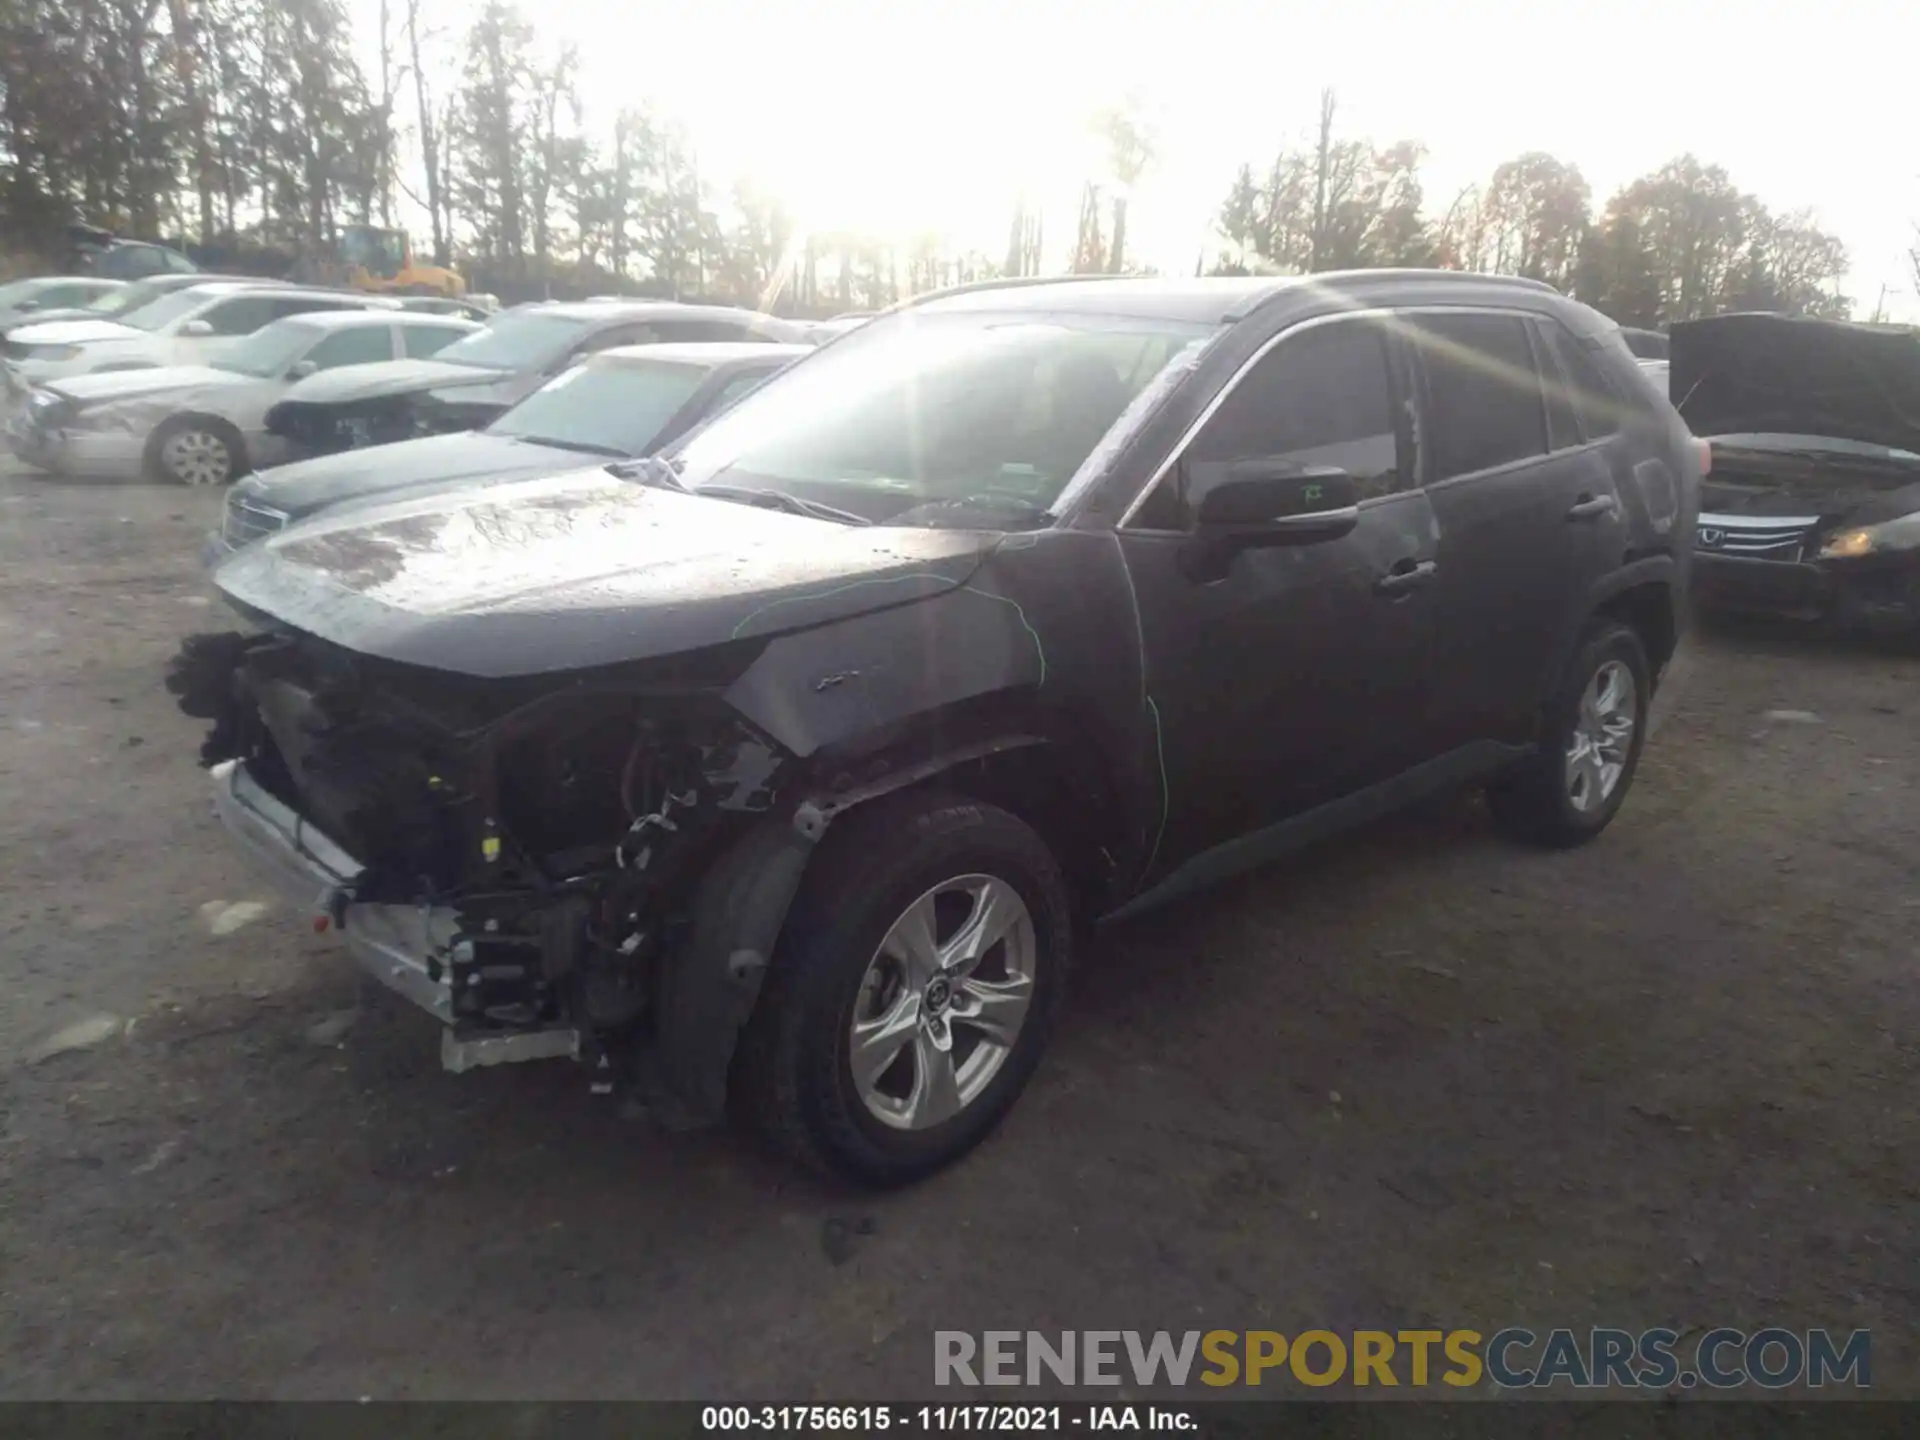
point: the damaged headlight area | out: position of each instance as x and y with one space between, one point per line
1902 534
520 864
107 419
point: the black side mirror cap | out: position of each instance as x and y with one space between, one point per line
1262 504
1272 493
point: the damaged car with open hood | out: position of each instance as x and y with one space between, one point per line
477 379
1812 509
780 772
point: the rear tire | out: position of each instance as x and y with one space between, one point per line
882 1051
1596 723
194 450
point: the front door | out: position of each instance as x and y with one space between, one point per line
1298 675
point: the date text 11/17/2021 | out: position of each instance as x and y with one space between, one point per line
866 1419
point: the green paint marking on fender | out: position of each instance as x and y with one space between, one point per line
1166 794
1039 650
836 590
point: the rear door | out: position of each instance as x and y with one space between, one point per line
1298 675
1524 504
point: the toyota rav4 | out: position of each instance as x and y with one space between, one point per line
785 771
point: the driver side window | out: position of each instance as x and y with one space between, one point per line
1321 397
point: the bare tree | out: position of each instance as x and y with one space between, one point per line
430 144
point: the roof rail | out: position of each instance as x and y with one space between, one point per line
1005 282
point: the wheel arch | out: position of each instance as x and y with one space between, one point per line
1642 598
709 987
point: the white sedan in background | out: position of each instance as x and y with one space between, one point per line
205 425
188 327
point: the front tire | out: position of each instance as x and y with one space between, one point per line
1590 746
914 989
189 450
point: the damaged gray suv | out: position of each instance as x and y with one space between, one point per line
782 773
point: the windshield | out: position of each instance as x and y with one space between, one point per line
165 310
526 340
616 407
270 350
926 409
382 252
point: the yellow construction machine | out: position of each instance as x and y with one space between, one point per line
380 260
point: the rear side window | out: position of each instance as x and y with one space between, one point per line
1484 402
361 345
1322 397
424 340
1592 398
285 305
245 314
703 331
617 335
241 316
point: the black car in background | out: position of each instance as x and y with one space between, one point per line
619 404
1812 508
134 260
779 770
471 383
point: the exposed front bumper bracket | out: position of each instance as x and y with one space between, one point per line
404 947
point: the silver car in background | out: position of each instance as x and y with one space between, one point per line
205 424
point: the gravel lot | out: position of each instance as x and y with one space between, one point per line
1419 1077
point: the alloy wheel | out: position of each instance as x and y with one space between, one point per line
196 457
1602 736
942 1002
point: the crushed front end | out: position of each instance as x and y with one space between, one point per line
521 859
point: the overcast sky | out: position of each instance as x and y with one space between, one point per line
908 116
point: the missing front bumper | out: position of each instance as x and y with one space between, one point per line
404 947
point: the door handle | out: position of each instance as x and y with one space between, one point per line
1406 575
1590 507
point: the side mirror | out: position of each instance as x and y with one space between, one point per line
1259 504
302 369
196 329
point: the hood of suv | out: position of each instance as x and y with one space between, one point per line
73 332
1778 375
385 472
351 383
578 571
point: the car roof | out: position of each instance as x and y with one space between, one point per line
45 280
187 280
348 319
614 312
1210 299
709 353
280 289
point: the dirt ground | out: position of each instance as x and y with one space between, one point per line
1419 1077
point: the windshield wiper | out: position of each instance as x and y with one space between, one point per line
654 470
782 500
585 447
